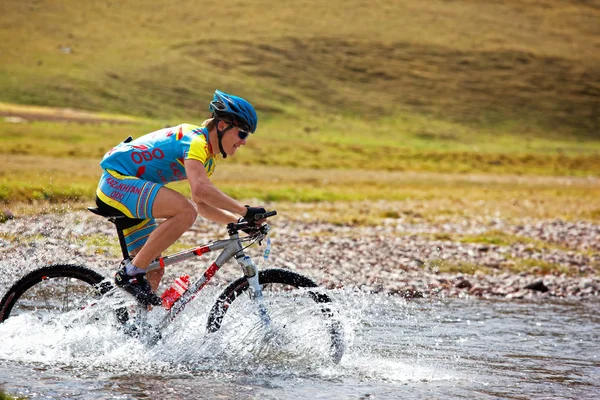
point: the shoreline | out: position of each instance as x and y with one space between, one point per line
397 257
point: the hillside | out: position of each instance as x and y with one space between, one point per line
522 67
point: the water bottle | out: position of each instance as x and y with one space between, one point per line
173 293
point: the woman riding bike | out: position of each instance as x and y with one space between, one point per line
135 172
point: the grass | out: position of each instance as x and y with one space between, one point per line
348 111
540 267
501 238
442 266
388 149
101 244
521 68
6 396
515 266
58 160
341 196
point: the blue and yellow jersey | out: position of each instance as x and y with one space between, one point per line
159 156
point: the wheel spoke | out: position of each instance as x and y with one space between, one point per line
66 307
53 290
296 308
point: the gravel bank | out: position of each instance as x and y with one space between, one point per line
394 257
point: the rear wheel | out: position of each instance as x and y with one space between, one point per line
53 290
290 297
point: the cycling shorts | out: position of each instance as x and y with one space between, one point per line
133 198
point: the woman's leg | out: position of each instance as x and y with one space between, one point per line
144 200
155 276
180 214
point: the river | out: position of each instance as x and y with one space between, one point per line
396 349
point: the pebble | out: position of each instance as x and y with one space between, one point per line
402 259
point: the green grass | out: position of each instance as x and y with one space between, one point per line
499 238
6 396
442 266
413 196
539 267
327 149
101 244
516 266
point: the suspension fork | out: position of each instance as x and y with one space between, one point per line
251 272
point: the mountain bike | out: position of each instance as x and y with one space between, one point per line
54 290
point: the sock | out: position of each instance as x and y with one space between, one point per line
132 270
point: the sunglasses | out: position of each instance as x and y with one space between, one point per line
243 134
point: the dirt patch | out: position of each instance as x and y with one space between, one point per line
60 115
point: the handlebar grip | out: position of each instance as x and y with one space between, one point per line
268 214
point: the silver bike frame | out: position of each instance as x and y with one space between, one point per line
231 247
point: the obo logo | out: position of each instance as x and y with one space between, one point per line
145 155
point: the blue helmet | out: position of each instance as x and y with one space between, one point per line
234 109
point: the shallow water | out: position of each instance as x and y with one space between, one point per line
454 348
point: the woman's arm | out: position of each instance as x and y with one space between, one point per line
212 203
216 214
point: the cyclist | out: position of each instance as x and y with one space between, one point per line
135 172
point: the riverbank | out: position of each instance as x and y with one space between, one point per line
403 255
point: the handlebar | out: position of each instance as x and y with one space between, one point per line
234 227
268 214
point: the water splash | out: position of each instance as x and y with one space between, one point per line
293 347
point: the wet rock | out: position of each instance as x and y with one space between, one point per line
537 286
463 284
411 293
476 291
516 295
588 283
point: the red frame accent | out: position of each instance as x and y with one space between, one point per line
208 274
211 271
201 250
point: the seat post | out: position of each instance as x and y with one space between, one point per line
121 222
122 242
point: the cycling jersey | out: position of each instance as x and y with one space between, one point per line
159 156
135 171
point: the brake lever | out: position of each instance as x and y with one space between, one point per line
264 229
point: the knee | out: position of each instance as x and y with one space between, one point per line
188 214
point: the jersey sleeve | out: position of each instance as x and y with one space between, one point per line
198 149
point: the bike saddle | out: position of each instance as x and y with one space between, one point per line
106 213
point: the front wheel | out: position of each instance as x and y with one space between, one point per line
294 296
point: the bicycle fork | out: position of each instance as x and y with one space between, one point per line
251 272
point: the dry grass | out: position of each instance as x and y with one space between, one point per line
337 146
344 196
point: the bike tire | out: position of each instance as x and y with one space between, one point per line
35 284
288 278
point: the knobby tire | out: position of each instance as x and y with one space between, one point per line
12 296
283 277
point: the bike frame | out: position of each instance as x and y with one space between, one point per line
231 247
